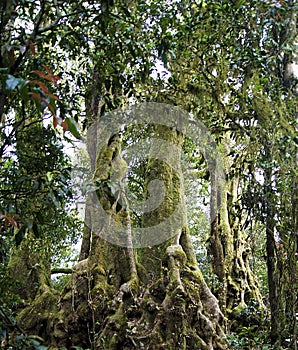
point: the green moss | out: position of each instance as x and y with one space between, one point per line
239 309
233 285
177 252
43 307
142 273
113 342
67 296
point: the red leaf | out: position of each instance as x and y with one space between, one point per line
32 47
10 220
41 85
50 77
55 122
54 97
64 125
39 73
47 69
35 96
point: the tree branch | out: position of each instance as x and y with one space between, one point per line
61 270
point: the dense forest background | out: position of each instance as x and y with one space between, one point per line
229 282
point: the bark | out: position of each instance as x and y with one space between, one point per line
276 321
92 112
290 80
281 225
38 299
237 287
146 298
291 308
30 269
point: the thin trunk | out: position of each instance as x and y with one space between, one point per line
290 79
293 270
274 293
215 244
289 259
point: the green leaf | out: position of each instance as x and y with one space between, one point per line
13 82
239 4
35 343
29 223
73 127
49 176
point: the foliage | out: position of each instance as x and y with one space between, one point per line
11 335
224 61
35 197
31 342
248 339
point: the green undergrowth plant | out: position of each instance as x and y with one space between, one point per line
248 339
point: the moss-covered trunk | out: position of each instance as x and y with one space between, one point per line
177 305
237 286
153 297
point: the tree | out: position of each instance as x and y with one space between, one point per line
202 70
274 106
224 62
35 173
245 96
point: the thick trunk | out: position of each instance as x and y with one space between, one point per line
153 297
30 268
38 299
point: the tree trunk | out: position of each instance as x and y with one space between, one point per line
153 297
291 308
237 287
274 292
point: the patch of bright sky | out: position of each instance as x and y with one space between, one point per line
159 71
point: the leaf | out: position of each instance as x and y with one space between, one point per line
54 97
24 93
39 73
48 70
9 220
23 49
32 48
64 125
50 77
50 176
55 122
72 127
13 82
29 223
35 96
50 106
41 85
